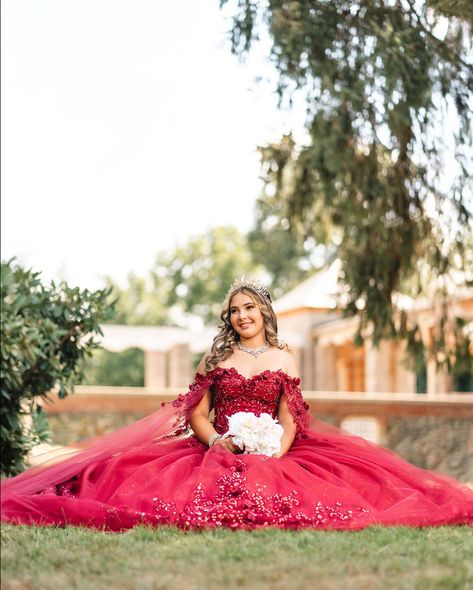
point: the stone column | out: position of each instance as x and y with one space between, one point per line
180 366
298 354
405 379
342 374
307 366
379 369
155 368
438 381
325 367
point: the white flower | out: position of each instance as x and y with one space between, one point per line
255 434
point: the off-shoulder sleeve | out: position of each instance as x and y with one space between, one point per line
297 406
186 402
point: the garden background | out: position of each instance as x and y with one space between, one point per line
153 153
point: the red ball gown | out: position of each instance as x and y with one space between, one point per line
154 473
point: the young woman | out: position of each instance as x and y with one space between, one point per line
154 473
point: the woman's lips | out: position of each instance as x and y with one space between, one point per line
243 326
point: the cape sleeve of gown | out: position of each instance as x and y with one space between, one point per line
170 420
297 406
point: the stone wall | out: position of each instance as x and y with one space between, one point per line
439 444
71 428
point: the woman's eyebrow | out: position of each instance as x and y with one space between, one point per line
244 305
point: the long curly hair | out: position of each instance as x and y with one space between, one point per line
226 338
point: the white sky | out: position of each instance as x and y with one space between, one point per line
126 126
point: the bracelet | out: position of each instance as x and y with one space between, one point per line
213 439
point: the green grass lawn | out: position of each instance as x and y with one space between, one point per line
166 558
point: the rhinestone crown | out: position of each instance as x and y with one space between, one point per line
252 283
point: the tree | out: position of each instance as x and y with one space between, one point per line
286 252
191 278
387 86
200 272
284 257
46 332
122 369
141 301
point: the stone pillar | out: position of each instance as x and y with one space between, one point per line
405 380
342 374
379 369
180 366
155 368
298 354
307 367
325 367
438 381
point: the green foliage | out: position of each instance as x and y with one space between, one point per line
287 256
125 368
199 273
193 277
387 87
462 369
45 334
140 302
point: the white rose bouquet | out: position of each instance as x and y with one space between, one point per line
255 434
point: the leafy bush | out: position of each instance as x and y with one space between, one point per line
125 368
46 332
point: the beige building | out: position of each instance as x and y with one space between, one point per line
320 337
169 351
323 341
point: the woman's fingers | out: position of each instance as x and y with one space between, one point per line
226 443
231 447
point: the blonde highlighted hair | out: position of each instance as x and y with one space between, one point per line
226 338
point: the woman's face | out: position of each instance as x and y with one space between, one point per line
245 316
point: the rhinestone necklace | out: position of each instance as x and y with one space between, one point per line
253 351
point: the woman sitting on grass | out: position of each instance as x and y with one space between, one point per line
262 461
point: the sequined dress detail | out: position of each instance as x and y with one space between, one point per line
327 479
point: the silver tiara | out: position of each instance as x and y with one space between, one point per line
252 284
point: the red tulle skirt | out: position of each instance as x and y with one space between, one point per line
329 480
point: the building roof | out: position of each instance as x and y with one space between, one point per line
117 338
323 291
319 291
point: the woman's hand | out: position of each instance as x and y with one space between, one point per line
227 443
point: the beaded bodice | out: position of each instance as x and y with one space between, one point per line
232 392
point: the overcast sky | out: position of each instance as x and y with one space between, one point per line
126 126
